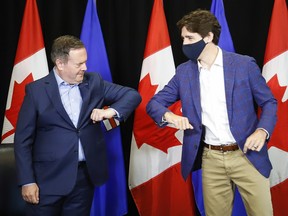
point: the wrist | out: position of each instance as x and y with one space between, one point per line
265 133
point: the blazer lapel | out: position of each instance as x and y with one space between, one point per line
229 78
85 93
53 93
195 87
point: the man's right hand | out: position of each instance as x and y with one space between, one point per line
30 193
180 122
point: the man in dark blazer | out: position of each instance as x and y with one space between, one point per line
218 91
60 150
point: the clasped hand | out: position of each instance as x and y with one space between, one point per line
180 122
101 114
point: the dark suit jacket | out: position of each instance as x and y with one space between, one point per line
244 85
46 141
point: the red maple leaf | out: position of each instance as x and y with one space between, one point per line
145 130
279 138
16 102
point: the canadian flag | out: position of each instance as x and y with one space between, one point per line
30 64
275 71
155 179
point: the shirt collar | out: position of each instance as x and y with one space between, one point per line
60 81
218 61
219 58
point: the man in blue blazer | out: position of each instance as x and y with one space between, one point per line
218 91
60 150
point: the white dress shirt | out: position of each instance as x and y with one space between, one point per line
213 103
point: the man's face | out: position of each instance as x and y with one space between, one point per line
73 70
189 37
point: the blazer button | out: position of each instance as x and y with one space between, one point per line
195 146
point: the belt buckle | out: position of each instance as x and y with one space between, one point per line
221 148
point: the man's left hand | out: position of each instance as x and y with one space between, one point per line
255 141
101 114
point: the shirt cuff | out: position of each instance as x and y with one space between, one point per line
117 114
28 184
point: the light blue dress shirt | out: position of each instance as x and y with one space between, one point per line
72 102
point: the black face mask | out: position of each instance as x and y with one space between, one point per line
193 51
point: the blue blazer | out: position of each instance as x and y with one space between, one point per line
46 141
244 85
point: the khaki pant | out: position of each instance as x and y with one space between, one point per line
221 172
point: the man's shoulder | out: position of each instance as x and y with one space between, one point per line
237 56
92 75
41 80
186 68
187 63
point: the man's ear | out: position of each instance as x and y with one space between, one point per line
209 37
59 64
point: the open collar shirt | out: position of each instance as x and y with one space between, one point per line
213 103
72 102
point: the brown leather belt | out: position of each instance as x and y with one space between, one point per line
223 148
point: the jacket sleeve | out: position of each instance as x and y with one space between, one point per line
159 103
24 138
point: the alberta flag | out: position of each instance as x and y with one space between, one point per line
110 198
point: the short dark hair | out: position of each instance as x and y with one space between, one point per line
201 22
62 46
